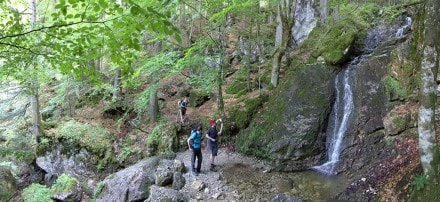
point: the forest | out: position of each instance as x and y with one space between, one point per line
315 100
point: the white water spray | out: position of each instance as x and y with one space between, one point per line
343 106
401 31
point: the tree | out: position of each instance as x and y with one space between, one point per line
285 13
428 98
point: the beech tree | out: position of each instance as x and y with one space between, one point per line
285 13
428 85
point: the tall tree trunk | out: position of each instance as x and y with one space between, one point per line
224 62
117 85
324 9
428 98
154 105
283 36
117 79
34 97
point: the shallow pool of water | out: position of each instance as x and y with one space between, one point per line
253 184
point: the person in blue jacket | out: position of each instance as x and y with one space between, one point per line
195 145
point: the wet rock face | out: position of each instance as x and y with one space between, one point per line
364 139
298 140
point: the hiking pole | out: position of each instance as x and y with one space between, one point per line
177 115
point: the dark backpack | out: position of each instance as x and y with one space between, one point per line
183 104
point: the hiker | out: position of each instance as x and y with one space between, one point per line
212 135
195 145
183 104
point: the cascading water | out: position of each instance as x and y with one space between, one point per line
342 110
340 116
401 31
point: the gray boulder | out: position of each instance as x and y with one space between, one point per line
166 194
130 184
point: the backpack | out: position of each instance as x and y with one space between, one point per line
183 104
192 143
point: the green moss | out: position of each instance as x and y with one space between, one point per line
252 142
63 184
163 138
399 122
94 138
36 193
393 87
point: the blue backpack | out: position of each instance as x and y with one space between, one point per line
195 143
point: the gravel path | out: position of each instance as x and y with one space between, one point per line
216 185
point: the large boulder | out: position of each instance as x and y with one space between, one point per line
7 184
130 184
135 182
78 165
290 129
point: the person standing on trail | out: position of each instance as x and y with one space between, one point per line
212 135
183 104
195 145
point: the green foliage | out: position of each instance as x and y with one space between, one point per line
99 187
236 87
142 101
420 181
393 87
36 193
39 193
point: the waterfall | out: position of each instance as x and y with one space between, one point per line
401 31
340 115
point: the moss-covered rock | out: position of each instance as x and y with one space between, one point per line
8 184
198 97
239 116
335 42
289 130
65 188
163 138
400 119
78 149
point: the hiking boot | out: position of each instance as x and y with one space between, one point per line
193 174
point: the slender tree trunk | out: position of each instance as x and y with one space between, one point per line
248 62
154 105
117 79
34 97
117 85
428 98
324 9
283 36
224 62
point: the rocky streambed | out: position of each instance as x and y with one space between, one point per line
242 178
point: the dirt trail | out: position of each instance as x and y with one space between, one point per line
217 185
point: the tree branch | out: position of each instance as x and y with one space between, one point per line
21 47
56 26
